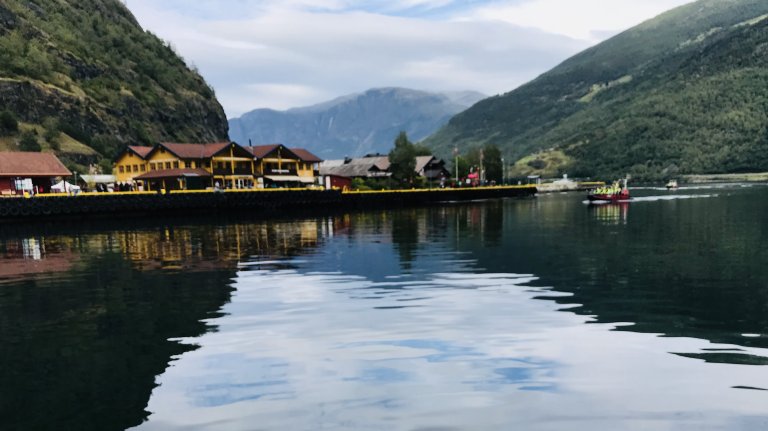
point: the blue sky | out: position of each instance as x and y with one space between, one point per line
289 53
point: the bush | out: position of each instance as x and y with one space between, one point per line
51 134
359 184
28 142
537 164
8 122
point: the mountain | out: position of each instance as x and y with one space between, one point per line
86 79
682 93
353 125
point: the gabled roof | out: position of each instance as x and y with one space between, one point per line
140 150
348 170
363 167
23 164
328 164
174 173
380 162
422 162
306 156
262 151
259 151
193 151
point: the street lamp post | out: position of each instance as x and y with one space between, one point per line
456 163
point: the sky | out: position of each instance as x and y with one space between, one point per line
281 54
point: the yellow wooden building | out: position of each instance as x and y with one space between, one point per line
227 165
279 166
131 163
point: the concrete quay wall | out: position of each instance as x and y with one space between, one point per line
276 201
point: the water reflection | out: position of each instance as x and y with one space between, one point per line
457 317
611 213
86 319
308 350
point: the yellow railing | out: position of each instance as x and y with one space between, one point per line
447 189
280 190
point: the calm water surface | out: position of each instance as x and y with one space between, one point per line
539 314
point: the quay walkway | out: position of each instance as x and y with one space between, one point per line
258 201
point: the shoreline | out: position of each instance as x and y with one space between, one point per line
269 202
757 177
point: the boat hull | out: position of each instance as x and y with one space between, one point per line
613 197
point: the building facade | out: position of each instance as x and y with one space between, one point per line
29 172
225 165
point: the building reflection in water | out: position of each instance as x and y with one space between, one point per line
188 248
194 249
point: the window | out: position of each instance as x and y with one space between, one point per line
143 168
167 165
152 166
186 164
135 168
176 165
122 169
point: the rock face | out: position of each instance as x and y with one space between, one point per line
682 93
353 125
89 69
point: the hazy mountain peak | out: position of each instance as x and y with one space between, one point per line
354 124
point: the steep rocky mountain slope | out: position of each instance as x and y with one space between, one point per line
86 79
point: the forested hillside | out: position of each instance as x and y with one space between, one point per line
83 79
685 92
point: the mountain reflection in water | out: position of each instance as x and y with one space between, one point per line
532 314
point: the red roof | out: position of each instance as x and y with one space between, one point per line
195 151
260 151
22 164
173 173
140 151
306 156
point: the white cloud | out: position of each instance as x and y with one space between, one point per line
583 19
287 53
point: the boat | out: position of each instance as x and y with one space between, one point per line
672 184
614 193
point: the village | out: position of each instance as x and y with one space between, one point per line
168 167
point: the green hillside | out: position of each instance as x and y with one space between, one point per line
683 93
85 79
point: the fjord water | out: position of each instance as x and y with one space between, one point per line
534 314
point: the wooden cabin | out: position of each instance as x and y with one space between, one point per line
29 172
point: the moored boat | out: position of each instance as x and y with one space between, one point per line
671 184
614 193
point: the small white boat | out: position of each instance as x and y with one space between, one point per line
672 184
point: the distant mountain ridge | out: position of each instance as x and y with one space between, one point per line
682 93
355 124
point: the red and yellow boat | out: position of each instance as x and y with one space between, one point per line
615 193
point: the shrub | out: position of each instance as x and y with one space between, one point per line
8 122
28 142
